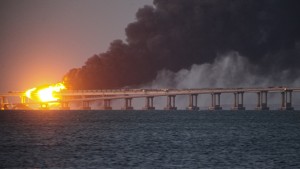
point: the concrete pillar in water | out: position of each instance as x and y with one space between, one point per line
283 102
262 101
149 103
212 100
212 106
2 103
289 104
193 101
238 101
23 99
86 105
291 96
265 104
219 99
170 103
258 101
235 100
216 101
106 104
242 98
286 100
64 106
127 104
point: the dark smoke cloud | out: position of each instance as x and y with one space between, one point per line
175 34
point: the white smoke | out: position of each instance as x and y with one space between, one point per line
230 70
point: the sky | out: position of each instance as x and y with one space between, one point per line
41 40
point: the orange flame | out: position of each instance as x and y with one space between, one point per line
45 93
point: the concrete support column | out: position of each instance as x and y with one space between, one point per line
64 106
241 101
289 104
149 103
286 100
216 101
283 102
219 99
190 100
265 103
291 96
262 101
212 100
2 101
242 98
235 100
86 105
107 105
238 101
170 103
23 99
193 101
258 100
127 104
266 98
173 101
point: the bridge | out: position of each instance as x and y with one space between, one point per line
85 97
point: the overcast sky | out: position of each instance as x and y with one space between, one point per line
40 40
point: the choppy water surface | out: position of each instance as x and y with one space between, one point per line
149 139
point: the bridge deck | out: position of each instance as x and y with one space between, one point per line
90 95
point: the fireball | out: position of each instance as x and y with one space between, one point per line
46 93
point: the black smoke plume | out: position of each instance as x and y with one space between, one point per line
174 34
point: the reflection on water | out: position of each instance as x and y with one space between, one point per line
149 139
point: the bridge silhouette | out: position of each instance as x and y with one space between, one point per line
106 96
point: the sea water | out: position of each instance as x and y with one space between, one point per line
150 139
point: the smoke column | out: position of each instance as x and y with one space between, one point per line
230 70
187 36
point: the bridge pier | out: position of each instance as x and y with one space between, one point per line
262 100
193 101
107 105
170 103
215 101
3 103
86 105
64 106
286 100
23 99
149 103
127 104
238 101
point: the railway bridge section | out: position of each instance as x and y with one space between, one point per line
85 97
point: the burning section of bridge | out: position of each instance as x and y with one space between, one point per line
46 93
